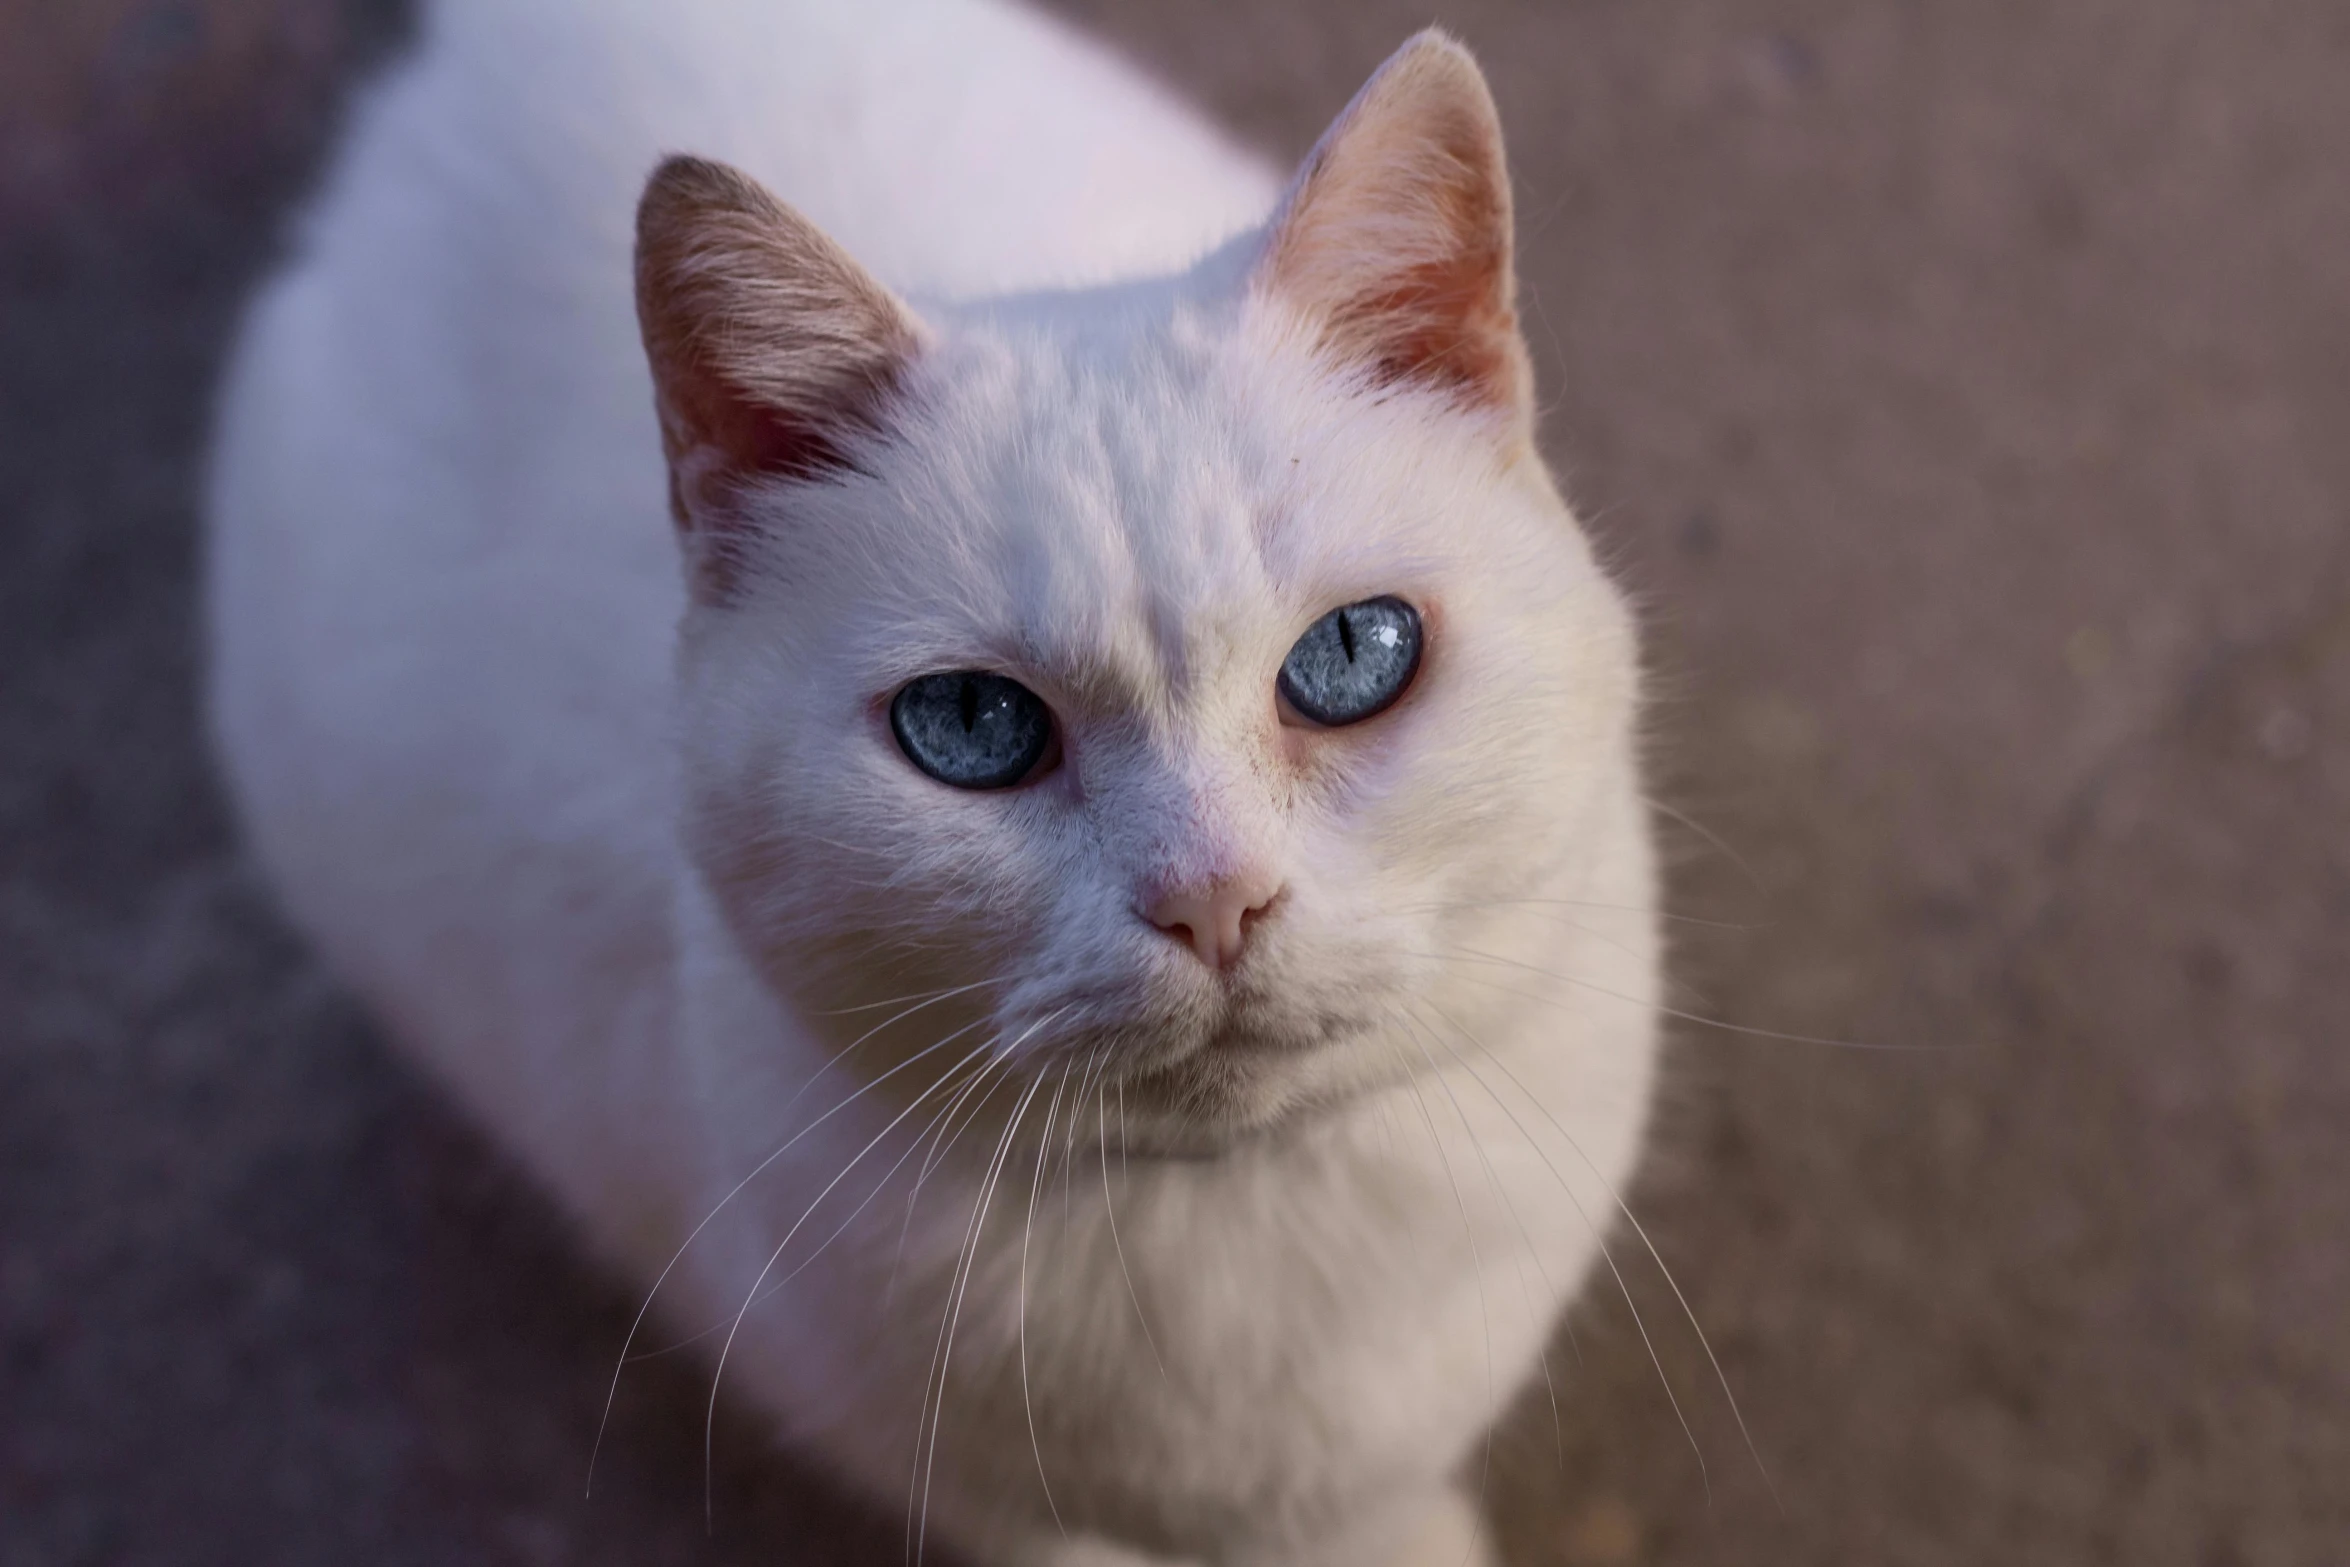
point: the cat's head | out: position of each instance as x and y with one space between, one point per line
1168 681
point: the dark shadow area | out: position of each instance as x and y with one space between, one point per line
263 1298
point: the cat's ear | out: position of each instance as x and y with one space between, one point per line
773 353
1394 241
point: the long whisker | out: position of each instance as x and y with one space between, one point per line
717 1376
1602 937
944 1144
963 1254
1674 814
1510 1205
1607 1255
1110 1208
1125 1137
1069 1133
1641 1231
1599 1239
1672 1012
1044 1147
838 1230
636 1324
924 996
1667 915
1095 1081
955 1309
942 1141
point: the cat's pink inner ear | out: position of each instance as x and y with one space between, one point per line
1394 241
772 351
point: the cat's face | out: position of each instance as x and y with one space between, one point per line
1230 897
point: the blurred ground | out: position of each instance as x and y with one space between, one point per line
1966 386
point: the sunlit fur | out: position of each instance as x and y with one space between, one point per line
645 880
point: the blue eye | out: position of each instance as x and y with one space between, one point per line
972 730
1353 662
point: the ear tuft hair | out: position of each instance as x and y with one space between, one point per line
772 350
1395 237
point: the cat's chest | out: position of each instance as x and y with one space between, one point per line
1229 1337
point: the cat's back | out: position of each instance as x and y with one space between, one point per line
955 147
443 587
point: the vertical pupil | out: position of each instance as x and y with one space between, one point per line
1346 635
968 698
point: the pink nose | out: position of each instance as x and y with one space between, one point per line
1214 919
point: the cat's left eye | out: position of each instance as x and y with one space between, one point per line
1354 662
972 729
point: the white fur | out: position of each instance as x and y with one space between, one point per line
503 793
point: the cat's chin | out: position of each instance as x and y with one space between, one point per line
1211 1129
1235 1091
1202 1132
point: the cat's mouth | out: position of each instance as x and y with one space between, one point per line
1230 1093
1195 1079
1245 1036
1239 1025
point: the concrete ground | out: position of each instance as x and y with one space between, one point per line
1965 385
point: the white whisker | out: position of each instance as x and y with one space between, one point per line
1639 1230
636 1324
924 996
1110 1209
1606 1255
1044 1145
710 1417
946 1133
838 1230
1646 911
1510 1206
1675 814
1668 1011
954 1314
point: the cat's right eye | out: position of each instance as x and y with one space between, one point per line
972 729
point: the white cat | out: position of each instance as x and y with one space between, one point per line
1095 938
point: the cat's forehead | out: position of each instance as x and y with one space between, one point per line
1141 511
1106 496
